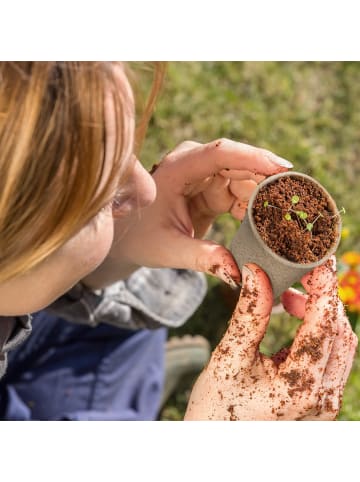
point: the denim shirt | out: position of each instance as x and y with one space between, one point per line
13 330
149 298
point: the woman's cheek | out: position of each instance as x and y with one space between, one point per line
99 245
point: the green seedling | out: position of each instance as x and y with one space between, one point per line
342 211
309 226
268 205
301 214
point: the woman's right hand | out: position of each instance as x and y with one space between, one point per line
305 382
195 183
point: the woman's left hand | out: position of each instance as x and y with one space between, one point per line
303 382
195 183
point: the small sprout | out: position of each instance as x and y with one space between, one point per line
301 214
317 217
309 226
342 211
287 217
267 204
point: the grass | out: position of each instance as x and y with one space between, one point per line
307 112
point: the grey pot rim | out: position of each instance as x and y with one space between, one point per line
274 255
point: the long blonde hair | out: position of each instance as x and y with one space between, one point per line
52 145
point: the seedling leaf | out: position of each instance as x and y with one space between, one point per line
302 214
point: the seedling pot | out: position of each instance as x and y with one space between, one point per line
249 247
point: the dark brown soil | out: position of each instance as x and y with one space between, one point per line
290 238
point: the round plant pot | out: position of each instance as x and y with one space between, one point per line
248 246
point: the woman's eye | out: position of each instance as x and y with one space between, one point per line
120 204
118 200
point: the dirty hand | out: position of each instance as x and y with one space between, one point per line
305 382
195 183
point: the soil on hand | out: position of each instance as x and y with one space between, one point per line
290 237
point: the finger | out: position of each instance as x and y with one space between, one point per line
313 343
182 147
238 209
353 344
191 189
249 320
294 302
202 161
242 175
317 277
202 255
242 190
339 364
216 198
186 146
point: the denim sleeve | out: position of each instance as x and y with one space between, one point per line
13 330
149 298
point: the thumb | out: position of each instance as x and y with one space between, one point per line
250 318
210 258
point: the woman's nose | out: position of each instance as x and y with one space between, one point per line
139 192
144 186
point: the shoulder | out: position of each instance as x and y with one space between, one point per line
13 331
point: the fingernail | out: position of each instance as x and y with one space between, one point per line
247 275
333 263
233 284
225 276
280 161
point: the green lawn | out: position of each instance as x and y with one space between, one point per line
307 112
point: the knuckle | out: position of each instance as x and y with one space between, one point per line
188 144
168 157
217 143
184 146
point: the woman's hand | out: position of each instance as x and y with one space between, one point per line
195 183
305 382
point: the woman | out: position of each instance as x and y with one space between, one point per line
84 230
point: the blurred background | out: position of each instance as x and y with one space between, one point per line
307 112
